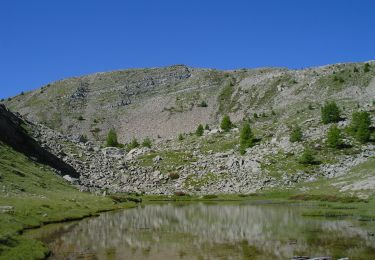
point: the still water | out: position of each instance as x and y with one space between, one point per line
208 231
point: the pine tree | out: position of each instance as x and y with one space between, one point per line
226 124
200 130
112 139
307 157
360 126
296 134
363 132
246 138
334 138
330 113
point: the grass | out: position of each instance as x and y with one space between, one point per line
170 160
38 197
218 143
196 182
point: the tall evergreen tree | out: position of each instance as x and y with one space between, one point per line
330 113
334 138
360 126
112 139
246 138
226 124
200 130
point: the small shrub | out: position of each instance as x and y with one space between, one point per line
200 130
111 140
180 137
366 67
133 144
273 112
334 138
147 142
22 93
310 107
80 118
296 134
226 124
207 127
330 113
307 157
203 104
256 115
174 176
246 138
355 70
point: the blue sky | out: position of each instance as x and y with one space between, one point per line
43 40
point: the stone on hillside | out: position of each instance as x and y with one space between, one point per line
157 159
133 153
215 131
113 152
6 209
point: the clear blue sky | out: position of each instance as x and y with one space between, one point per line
43 40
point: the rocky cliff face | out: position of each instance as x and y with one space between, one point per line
163 102
13 133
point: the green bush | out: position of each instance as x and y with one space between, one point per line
334 138
203 104
147 142
360 126
246 138
200 130
226 124
366 67
180 137
296 134
133 144
330 113
207 127
112 139
307 157
80 118
256 115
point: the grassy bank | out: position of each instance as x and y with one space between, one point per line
32 195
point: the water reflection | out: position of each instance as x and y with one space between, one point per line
201 231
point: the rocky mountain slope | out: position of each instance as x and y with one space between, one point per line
162 102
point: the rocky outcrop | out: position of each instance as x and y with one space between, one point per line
13 133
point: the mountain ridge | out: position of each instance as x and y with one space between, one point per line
138 102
